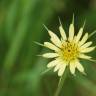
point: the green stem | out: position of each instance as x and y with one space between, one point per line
60 84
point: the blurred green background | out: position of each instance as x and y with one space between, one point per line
21 23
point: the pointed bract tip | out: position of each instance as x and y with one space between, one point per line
73 19
84 23
60 21
38 55
38 43
45 27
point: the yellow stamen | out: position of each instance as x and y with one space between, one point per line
69 51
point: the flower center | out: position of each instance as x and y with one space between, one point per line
69 51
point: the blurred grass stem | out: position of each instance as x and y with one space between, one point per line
61 83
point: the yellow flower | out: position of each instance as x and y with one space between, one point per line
68 50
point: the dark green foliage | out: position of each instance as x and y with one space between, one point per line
21 23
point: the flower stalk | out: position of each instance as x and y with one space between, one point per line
61 83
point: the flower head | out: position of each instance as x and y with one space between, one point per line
67 51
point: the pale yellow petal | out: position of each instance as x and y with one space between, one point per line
86 50
79 34
51 46
85 45
71 32
52 63
80 67
62 32
62 69
54 38
57 67
50 55
84 39
83 56
72 67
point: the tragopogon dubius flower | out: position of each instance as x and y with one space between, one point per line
68 50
